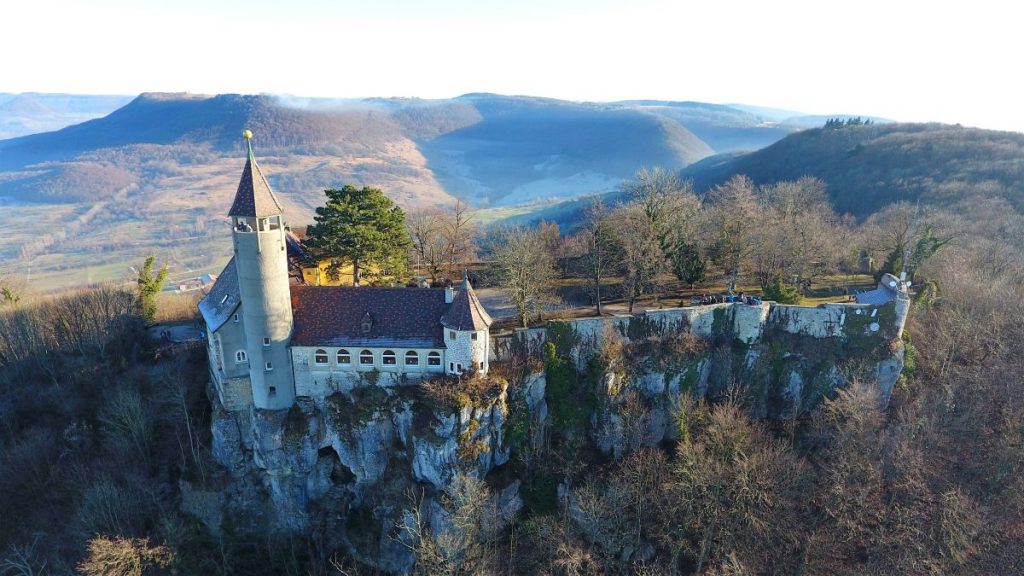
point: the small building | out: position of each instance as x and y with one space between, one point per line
272 336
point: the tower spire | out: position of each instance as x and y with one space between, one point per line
247 135
254 197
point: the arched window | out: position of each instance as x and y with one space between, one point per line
389 358
344 357
366 357
320 357
241 356
412 358
433 359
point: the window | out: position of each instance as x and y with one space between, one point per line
344 357
240 356
366 357
473 336
236 317
266 341
433 359
412 358
451 366
389 358
481 365
272 391
320 357
451 334
458 368
270 366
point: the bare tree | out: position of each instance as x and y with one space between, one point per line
460 230
602 248
524 268
730 223
429 244
797 232
443 239
643 259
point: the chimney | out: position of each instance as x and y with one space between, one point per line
449 295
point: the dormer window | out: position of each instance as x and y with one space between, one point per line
367 323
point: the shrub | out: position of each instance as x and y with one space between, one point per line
779 291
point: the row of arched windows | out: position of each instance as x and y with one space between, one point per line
365 358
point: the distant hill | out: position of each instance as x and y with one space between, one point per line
31 113
868 167
491 149
155 175
524 149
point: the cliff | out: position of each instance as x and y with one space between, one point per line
355 466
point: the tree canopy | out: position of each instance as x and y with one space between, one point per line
361 226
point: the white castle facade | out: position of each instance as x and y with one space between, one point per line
272 339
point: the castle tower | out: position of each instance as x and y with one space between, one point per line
466 333
262 263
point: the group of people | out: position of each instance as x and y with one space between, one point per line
705 299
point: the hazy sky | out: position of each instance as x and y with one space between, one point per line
901 59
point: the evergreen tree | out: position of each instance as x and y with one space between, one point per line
149 287
779 291
361 226
687 264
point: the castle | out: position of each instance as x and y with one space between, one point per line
271 338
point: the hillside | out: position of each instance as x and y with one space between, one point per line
868 167
524 149
155 175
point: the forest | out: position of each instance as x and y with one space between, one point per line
106 440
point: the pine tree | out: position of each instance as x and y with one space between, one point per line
687 264
361 226
779 291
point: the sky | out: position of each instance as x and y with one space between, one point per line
955 62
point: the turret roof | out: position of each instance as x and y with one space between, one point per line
223 298
466 312
254 197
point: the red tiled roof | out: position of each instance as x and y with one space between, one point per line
398 317
466 312
254 197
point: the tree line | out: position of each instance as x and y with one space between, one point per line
779 237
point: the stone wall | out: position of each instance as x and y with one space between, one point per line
464 350
743 322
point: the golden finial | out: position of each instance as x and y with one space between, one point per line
247 134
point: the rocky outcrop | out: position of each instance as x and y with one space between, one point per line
356 456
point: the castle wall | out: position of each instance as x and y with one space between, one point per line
743 322
318 381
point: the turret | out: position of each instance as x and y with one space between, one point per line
262 264
466 333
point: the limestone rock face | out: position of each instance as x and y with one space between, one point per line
364 451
